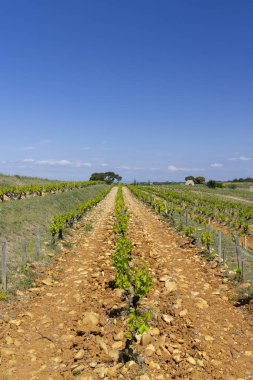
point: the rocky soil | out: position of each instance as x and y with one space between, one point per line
72 323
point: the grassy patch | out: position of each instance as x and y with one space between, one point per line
3 296
67 244
17 180
19 221
88 227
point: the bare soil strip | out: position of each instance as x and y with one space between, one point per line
72 324
205 326
43 332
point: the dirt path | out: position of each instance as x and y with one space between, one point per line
43 332
204 326
72 324
240 199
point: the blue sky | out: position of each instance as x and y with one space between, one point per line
153 90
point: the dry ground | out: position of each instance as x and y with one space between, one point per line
72 324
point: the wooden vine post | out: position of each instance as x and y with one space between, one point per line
219 245
166 208
238 252
38 242
23 260
4 266
186 217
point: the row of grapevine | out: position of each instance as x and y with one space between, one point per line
17 192
67 219
28 241
226 246
201 208
132 277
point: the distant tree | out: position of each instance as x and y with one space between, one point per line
190 177
248 179
211 184
97 177
199 180
108 177
232 186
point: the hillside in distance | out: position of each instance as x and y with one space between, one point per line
17 180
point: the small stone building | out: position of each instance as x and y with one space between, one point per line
189 182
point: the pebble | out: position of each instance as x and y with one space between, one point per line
145 339
117 345
119 336
91 318
170 286
167 318
154 331
78 369
114 354
208 338
177 358
201 304
191 360
80 354
48 282
150 349
143 377
101 371
183 313
9 340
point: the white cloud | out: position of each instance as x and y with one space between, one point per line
174 168
216 165
123 167
53 162
241 158
28 160
80 164
17 148
104 164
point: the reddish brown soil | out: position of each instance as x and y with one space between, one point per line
196 333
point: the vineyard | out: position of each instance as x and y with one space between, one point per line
27 222
144 293
31 190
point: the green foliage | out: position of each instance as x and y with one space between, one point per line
131 277
232 186
67 219
3 296
200 206
141 280
17 192
120 260
245 228
211 184
108 177
199 180
206 239
138 323
180 226
238 274
189 231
